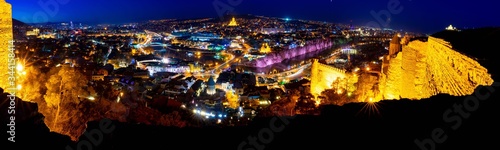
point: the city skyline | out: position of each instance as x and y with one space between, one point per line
414 16
248 74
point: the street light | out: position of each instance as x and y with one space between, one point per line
20 67
165 60
91 98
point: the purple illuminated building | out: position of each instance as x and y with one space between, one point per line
311 46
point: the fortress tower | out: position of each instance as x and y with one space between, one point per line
6 38
394 48
395 45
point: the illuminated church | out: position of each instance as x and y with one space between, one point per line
451 28
211 86
265 48
233 22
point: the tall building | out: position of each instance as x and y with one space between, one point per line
211 86
6 38
233 22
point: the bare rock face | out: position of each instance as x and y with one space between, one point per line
425 69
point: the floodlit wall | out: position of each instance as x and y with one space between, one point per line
322 77
5 39
425 69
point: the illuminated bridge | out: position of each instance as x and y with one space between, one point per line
150 38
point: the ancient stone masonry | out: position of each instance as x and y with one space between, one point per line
322 77
424 69
5 39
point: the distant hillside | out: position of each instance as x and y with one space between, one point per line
480 43
16 22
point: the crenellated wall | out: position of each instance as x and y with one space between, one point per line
424 69
322 77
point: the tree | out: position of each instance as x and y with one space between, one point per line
365 87
351 83
172 119
64 89
336 84
32 83
149 50
232 99
334 98
272 95
283 107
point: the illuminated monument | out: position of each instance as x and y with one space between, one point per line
265 48
425 69
233 23
5 38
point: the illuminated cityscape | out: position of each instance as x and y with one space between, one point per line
236 77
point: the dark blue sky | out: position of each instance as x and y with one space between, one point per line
427 16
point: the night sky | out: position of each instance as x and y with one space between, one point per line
426 16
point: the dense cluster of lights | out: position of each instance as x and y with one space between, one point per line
208 114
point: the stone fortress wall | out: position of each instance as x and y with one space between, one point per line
424 69
322 76
5 38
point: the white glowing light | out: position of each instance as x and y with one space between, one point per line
165 60
19 67
91 98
